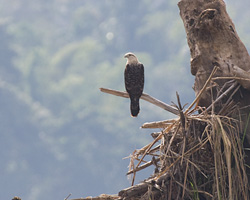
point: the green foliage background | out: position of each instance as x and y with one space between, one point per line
59 133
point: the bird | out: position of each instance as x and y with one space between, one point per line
134 82
16 198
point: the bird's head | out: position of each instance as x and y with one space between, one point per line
131 58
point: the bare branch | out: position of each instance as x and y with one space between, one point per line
202 90
143 166
67 197
101 197
145 97
234 85
159 124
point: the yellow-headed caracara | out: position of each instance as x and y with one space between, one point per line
134 81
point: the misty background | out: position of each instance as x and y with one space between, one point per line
59 133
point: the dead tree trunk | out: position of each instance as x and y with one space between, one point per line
213 41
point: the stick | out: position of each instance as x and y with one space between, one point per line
140 188
142 166
145 97
101 197
67 197
202 90
151 145
160 124
223 94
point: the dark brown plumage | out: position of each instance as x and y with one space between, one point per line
16 198
134 82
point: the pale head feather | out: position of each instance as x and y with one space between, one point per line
131 58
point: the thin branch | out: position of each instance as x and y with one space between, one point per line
202 90
67 197
160 124
145 97
101 197
230 78
151 145
142 166
234 85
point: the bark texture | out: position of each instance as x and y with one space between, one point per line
213 41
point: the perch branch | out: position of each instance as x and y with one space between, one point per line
145 97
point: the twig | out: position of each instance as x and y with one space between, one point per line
101 197
223 95
160 124
195 148
202 90
197 191
67 196
222 89
143 166
150 146
185 181
231 77
145 97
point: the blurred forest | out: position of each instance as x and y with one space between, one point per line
59 133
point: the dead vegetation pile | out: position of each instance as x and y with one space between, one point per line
200 157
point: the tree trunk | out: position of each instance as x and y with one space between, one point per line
213 41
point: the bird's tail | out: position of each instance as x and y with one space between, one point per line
134 107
